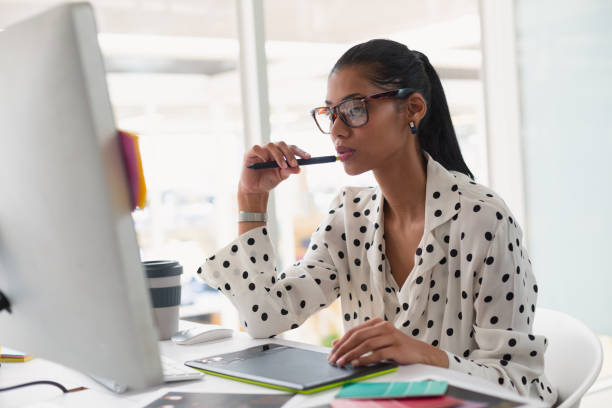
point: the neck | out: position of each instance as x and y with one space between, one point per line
402 181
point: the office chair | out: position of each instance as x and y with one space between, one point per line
574 356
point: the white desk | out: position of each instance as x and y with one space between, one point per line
98 396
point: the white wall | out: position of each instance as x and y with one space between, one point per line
564 52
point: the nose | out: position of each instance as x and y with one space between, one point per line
339 128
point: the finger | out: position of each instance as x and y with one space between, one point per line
349 333
377 356
357 338
278 155
300 152
340 342
361 334
261 153
285 173
370 345
289 155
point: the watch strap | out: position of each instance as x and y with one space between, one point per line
248 216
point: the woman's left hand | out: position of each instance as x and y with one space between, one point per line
385 342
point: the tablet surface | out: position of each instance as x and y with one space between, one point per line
286 368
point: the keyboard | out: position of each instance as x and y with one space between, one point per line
174 371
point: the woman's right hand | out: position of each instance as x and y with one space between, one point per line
262 181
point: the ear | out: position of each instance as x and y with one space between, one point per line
415 108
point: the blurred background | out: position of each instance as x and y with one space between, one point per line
527 82
174 78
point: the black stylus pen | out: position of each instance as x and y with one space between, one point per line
312 160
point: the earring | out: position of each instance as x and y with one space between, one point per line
413 128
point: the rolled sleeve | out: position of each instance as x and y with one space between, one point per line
269 302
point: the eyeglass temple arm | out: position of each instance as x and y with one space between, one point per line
405 92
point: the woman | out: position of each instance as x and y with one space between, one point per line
429 265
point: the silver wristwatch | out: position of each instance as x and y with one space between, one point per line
252 216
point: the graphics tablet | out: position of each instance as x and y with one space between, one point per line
286 368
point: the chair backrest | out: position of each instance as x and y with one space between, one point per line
574 356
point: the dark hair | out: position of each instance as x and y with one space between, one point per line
390 64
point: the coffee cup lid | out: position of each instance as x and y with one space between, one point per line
162 269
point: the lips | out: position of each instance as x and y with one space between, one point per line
344 152
344 149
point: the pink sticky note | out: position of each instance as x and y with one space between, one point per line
433 402
129 151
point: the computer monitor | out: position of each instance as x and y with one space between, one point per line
69 259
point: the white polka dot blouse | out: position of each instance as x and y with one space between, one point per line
471 293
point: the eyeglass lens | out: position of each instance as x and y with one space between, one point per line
353 111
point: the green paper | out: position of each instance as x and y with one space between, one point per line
393 389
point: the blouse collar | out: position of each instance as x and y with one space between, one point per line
442 201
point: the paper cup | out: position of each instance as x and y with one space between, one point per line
164 278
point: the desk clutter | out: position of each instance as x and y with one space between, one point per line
417 394
213 400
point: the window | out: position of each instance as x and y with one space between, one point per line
179 89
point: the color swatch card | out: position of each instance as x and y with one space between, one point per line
430 402
378 390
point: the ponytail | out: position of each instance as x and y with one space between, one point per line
437 134
392 65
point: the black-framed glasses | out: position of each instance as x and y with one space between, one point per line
353 112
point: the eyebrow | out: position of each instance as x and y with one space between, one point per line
345 98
